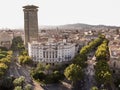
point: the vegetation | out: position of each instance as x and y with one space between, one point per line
54 77
3 67
10 83
102 53
24 58
18 88
80 60
73 72
19 81
7 83
102 71
3 48
102 74
5 59
94 88
42 74
117 83
17 44
28 87
47 68
92 45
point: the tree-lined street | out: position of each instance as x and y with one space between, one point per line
17 70
90 74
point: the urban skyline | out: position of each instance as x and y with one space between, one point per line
61 12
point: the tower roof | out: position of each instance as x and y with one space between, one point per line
30 7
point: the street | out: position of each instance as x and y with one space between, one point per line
16 70
89 74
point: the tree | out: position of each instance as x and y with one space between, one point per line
57 76
103 77
27 60
17 44
102 72
47 67
94 88
3 48
18 88
24 53
103 51
24 59
21 59
40 67
2 56
28 87
5 60
7 83
3 67
1 73
80 60
19 81
10 52
73 72
38 75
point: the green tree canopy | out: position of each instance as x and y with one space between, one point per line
19 81
73 72
28 87
3 67
17 43
18 88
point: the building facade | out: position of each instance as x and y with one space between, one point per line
51 53
6 39
30 23
114 62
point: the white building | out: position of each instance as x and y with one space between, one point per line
52 53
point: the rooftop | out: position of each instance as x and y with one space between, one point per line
30 7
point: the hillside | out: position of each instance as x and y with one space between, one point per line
79 26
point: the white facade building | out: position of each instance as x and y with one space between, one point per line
52 53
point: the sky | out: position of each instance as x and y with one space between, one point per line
60 12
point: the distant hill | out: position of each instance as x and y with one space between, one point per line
80 26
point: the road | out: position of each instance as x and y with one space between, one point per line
55 87
90 74
17 70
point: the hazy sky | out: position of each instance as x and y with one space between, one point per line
57 12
